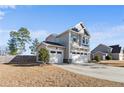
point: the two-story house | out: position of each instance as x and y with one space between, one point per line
115 51
71 46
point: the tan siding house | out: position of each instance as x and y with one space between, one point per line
71 46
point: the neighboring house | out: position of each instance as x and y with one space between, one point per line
102 51
71 46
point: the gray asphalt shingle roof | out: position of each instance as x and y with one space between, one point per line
115 48
53 43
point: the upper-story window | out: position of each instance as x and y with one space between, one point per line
83 40
87 41
74 38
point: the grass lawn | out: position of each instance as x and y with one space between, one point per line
47 76
115 63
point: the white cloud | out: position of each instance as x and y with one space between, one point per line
4 36
107 35
1 15
2 7
40 34
7 6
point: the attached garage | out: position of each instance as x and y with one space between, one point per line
56 56
55 51
79 57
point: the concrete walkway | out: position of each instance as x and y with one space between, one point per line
96 70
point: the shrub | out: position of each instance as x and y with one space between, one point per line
97 58
108 57
44 55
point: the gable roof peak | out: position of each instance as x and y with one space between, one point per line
103 44
80 24
116 48
115 45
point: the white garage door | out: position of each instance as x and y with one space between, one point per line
56 56
79 57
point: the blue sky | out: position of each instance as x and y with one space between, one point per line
104 23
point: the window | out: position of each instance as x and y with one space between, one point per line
78 53
81 53
85 53
87 41
52 52
73 53
81 49
59 52
74 39
83 39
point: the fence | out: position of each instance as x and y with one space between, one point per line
18 59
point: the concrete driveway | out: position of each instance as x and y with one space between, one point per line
96 70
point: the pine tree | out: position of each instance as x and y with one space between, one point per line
33 48
12 46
